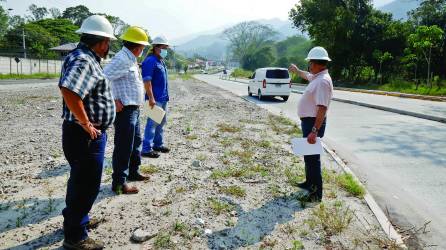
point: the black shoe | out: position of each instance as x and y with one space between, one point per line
151 154
304 185
87 244
162 149
309 198
138 177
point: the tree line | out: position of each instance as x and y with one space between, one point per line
366 45
46 28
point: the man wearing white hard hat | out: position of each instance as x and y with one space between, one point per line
155 77
128 91
88 110
312 111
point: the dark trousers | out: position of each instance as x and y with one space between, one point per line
127 151
313 173
86 159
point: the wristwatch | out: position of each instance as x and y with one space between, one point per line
314 130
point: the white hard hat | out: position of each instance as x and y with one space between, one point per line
161 40
318 53
97 25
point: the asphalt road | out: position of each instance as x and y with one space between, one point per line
401 159
26 83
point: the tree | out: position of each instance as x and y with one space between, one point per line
38 40
425 40
410 63
246 37
119 26
381 58
429 13
16 21
350 30
55 13
76 14
60 28
38 13
3 21
258 58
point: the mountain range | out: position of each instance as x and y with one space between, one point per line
212 45
400 8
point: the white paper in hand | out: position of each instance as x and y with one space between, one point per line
156 114
302 147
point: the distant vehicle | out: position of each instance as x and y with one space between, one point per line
270 82
224 74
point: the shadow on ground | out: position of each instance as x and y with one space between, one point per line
17 214
254 225
42 241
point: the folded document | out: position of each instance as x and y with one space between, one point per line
302 147
156 113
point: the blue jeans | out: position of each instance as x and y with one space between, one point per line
86 159
127 151
153 133
313 173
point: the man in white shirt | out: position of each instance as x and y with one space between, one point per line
128 93
312 111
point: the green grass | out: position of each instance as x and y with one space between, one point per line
234 191
229 172
240 172
241 73
333 218
297 245
224 127
294 176
349 184
402 87
163 241
148 169
219 207
283 125
28 76
245 156
265 144
191 137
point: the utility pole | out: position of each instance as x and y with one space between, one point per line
24 43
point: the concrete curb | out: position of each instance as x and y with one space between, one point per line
373 205
397 111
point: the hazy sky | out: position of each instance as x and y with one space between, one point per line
175 18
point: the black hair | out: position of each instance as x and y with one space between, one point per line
320 62
91 40
130 45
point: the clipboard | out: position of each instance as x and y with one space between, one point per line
156 113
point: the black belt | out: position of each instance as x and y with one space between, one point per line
98 127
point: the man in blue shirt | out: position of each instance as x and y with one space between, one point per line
154 75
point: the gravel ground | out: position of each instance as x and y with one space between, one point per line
228 182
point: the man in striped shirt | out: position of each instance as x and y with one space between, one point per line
88 110
128 92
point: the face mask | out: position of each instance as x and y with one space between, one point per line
106 52
163 53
